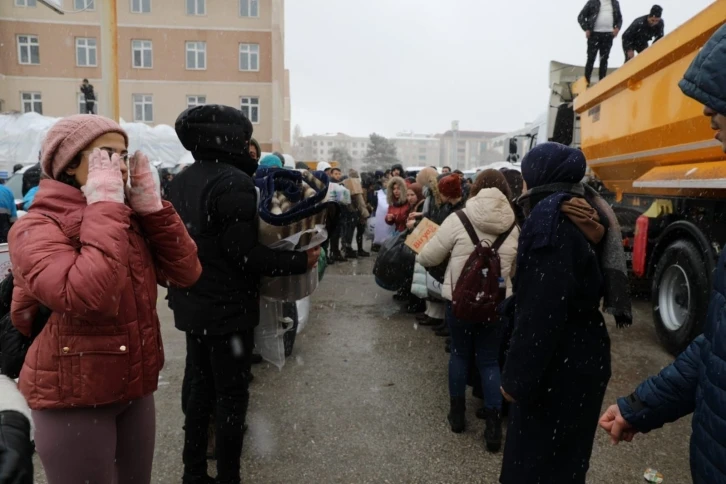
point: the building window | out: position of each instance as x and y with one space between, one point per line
250 106
32 102
249 8
144 108
315 143
421 158
25 3
141 53
84 4
196 55
330 143
86 52
249 57
196 101
82 108
140 6
196 7
28 49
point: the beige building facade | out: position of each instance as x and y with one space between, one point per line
172 54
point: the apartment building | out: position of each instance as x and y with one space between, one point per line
417 149
320 147
463 150
172 54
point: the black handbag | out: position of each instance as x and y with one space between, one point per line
394 265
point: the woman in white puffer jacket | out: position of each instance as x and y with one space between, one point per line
491 214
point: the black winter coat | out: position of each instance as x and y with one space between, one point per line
589 14
640 33
218 204
558 364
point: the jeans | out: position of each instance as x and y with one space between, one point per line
600 42
217 370
479 342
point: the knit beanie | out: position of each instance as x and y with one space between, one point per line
271 161
450 187
69 136
549 163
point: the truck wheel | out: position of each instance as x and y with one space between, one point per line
290 311
679 296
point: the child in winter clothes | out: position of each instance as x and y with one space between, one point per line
398 206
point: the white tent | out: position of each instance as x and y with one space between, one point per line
21 136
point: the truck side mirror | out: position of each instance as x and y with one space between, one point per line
513 146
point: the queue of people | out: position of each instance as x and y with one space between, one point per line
98 239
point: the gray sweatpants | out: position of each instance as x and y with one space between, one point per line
110 444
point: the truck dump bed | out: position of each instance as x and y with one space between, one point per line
641 135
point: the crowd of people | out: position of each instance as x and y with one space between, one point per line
80 318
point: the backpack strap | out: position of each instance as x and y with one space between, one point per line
468 226
502 238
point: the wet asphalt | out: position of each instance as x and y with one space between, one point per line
363 399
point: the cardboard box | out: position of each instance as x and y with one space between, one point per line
421 235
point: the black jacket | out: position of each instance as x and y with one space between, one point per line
558 364
589 14
88 92
218 204
640 33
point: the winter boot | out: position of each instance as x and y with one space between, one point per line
457 414
439 327
415 305
338 257
375 247
431 322
493 431
363 253
443 332
350 253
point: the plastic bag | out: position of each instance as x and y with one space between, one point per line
418 285
383 231
269 333
394 265
303 314
433 287
370 229
322 264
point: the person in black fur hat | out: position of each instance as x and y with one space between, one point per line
217 200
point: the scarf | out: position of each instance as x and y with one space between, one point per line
547 202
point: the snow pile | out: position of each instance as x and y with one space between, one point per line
21 136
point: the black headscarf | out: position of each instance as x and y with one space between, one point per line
213 132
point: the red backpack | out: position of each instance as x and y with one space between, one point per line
480 287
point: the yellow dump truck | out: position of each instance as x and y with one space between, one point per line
655 153
652 153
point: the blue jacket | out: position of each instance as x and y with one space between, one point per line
695 382
705 80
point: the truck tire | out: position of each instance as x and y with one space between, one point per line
679 296
290 311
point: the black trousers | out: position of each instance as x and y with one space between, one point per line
637 50
91 107
352 224
602 43
217 384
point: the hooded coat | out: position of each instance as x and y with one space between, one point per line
558 364
491 215
217 200
398 208
695 383
97 268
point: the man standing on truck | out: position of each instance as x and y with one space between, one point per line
643 30
601 20
694 383
89 95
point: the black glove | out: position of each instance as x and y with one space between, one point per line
16 449
13 348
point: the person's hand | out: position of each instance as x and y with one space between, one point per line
411 223
145 193
616 32
631 54
389 218
613 423
588 33
414 215
313 257
105 182
507 396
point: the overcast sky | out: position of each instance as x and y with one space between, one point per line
359 66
